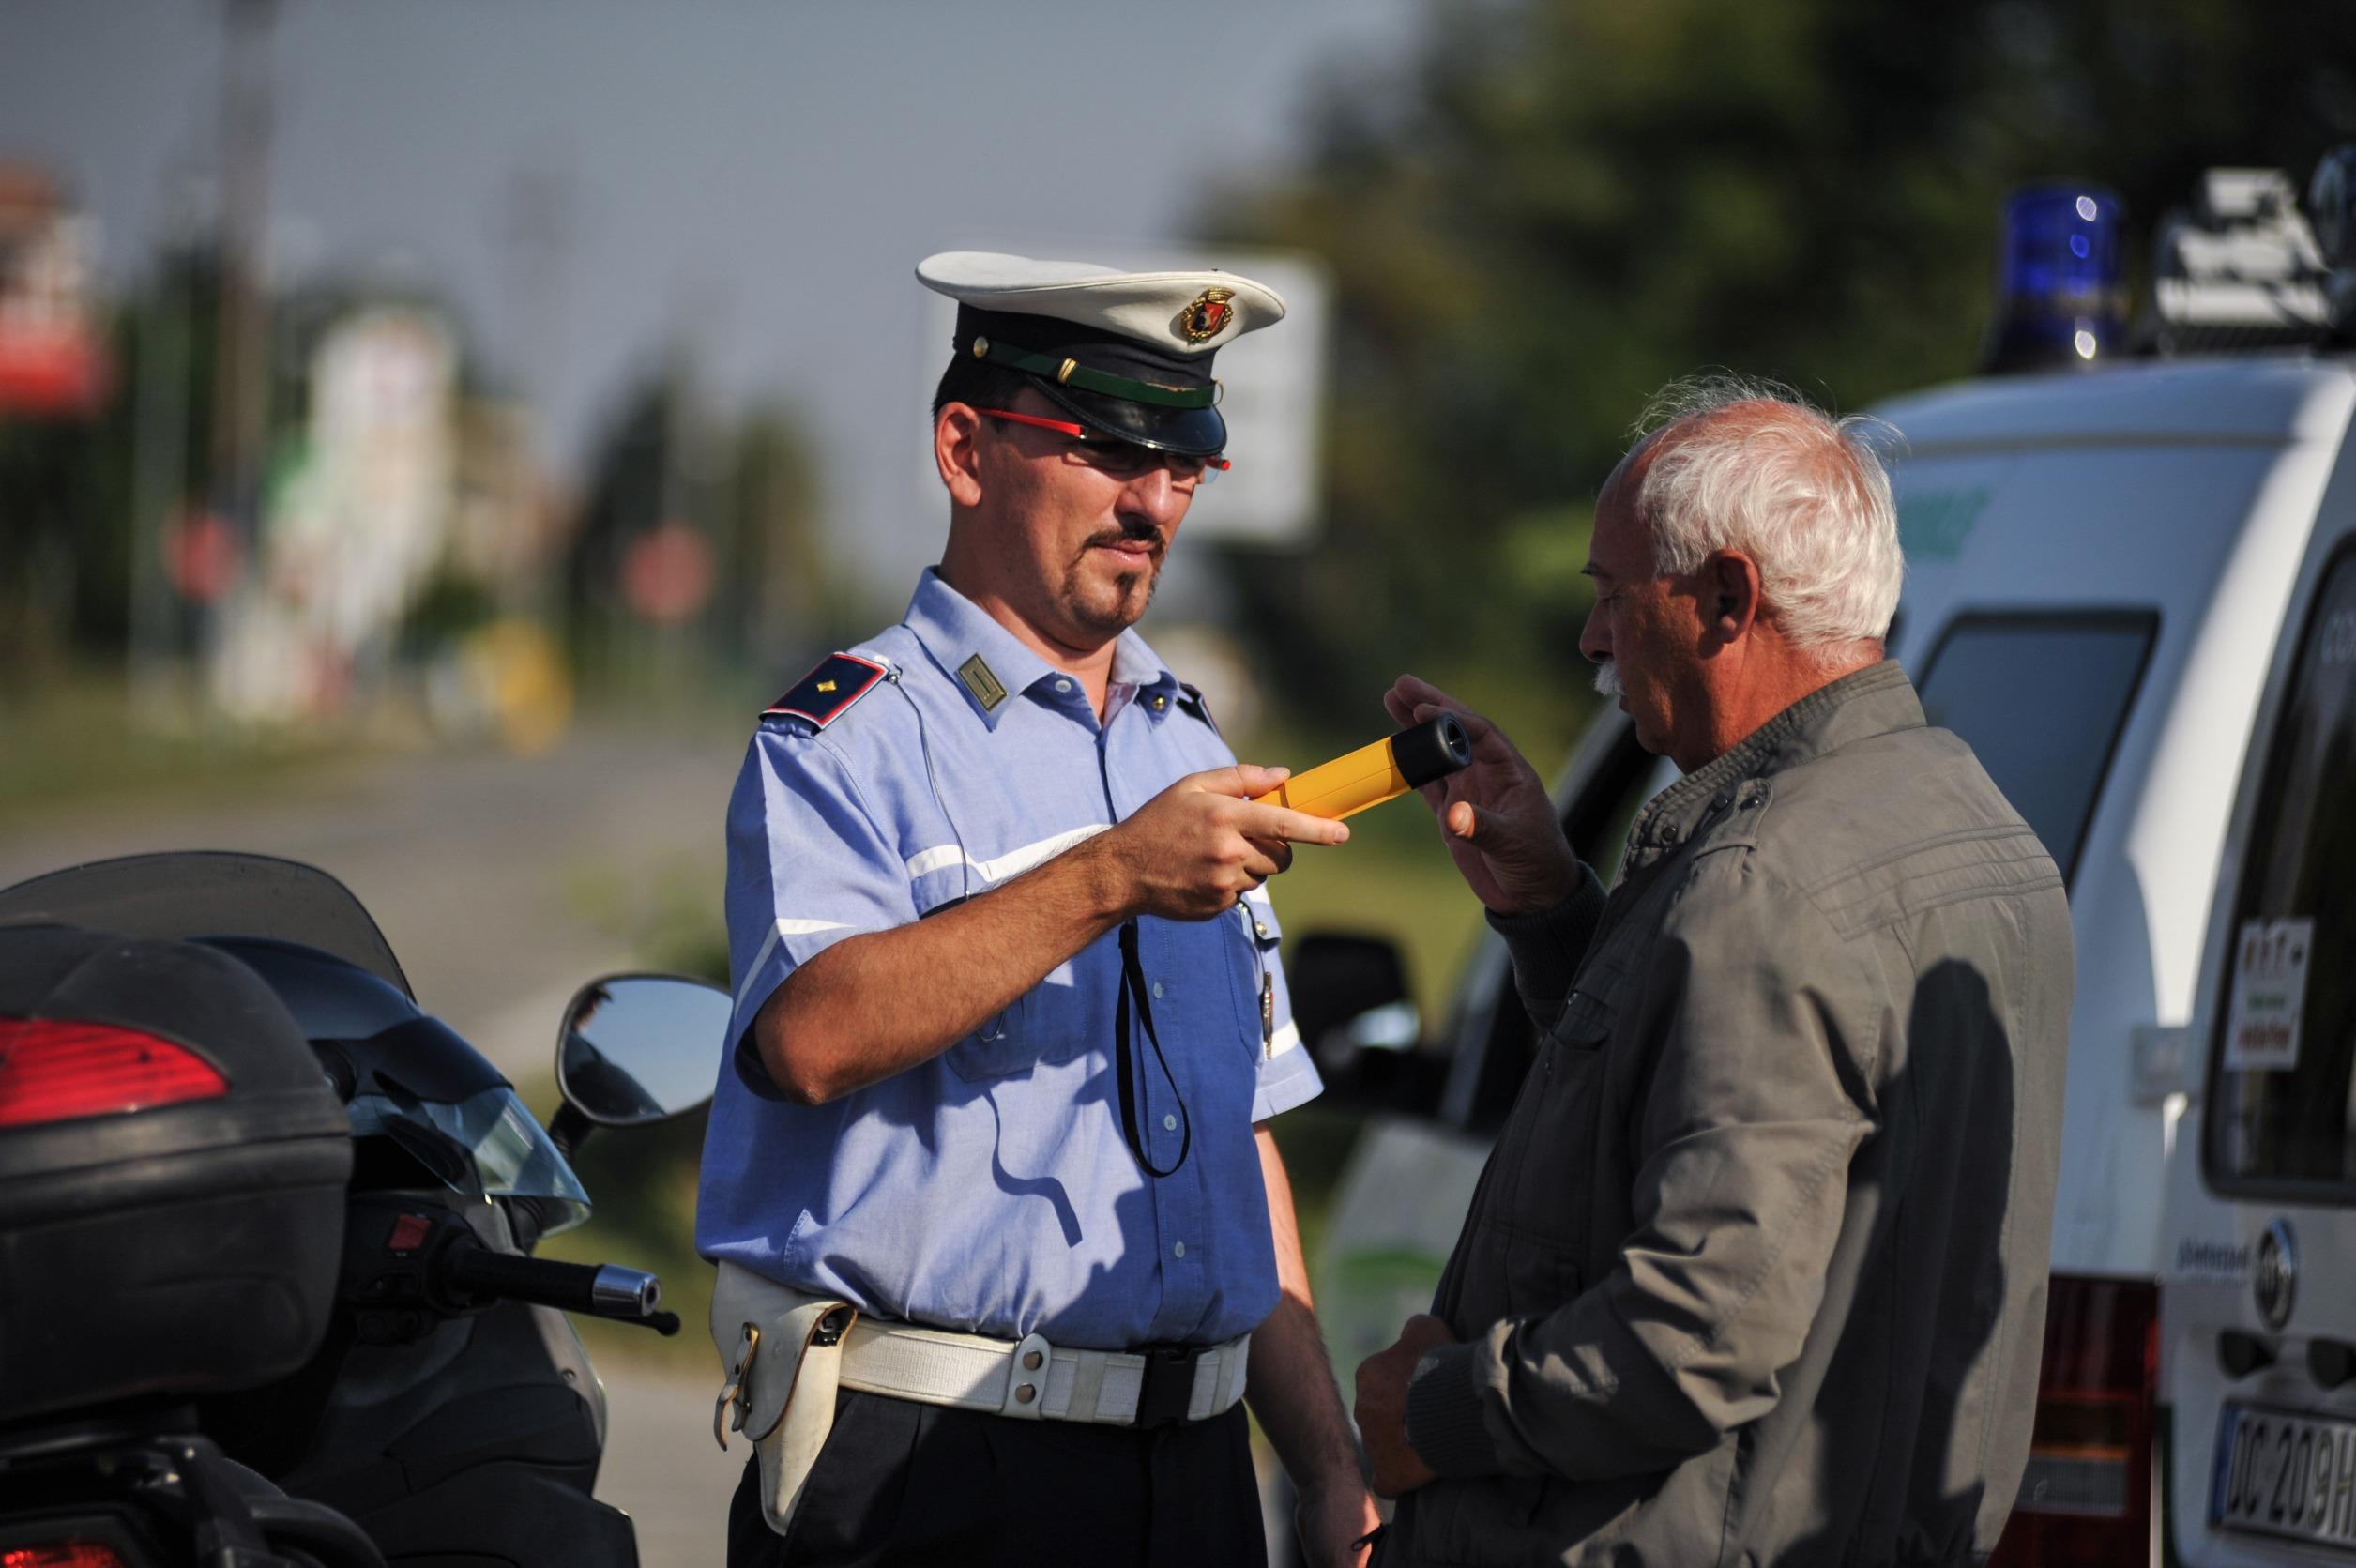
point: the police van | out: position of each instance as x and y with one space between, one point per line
2257 1295
2108 569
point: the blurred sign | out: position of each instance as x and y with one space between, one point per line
49 358
667 574
1273 381
200 555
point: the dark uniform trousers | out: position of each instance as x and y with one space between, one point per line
899 1482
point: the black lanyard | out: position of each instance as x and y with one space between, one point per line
1132 984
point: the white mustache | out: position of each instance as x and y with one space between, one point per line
1607 678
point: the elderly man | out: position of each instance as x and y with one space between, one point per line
992 1147
1756 1272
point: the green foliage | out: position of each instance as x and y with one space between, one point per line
1559 205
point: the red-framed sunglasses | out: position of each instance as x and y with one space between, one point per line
1123 460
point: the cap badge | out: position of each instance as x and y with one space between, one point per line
1208 316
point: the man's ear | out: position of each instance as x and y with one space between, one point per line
1731 585
957 453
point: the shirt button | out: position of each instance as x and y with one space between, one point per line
1161 703
1259 928
1169 1124
1157 990
1179 1250
1062 685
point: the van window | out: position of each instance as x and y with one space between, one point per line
2041 698
2280 1063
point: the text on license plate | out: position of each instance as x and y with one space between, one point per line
2281 1473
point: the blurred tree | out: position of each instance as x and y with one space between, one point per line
66 482
777 604
1557 206
748 488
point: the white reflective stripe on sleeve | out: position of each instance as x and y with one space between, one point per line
781 928
1012 863
934 860
1286 1037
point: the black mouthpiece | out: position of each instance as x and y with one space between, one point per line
1431 749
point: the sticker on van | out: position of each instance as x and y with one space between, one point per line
2269 985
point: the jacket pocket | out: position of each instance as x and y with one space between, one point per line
1548 1205
1541 1273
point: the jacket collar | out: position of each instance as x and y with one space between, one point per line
955 631
1876 700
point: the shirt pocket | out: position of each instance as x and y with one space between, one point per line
1052 1022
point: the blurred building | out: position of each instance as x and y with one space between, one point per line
52 362
356 522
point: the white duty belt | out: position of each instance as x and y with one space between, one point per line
764 1330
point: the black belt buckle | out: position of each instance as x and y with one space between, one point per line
1168 1386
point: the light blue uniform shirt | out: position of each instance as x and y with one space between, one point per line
989 1189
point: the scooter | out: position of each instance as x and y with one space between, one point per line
267 1286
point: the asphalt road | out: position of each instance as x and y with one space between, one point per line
662 1468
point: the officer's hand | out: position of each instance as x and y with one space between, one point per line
1499 824
1382 1407
1193 849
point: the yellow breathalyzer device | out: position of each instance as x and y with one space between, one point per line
1348 784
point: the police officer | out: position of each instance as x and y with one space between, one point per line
1008 1022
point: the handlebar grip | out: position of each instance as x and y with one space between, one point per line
600 1289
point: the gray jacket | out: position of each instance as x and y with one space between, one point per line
1756 1272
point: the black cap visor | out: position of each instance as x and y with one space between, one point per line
1187 432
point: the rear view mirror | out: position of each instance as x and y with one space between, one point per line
640 1048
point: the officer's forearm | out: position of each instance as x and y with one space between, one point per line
879 1003
1291 1388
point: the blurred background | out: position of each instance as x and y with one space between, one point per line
430 432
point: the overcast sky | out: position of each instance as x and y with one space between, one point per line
757 179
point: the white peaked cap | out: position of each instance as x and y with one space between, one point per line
1183 313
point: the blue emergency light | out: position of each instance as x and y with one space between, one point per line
2061 292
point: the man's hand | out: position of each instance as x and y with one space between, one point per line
1500 823
1193 849
1332 1523
1382 1407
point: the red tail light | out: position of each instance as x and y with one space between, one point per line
62 1554
2087 1494
53 1070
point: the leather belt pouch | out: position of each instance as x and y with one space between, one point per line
782 1353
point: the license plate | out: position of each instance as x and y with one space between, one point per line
2285 1474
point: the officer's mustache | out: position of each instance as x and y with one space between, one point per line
1142 533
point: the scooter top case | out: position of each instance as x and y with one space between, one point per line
172 1174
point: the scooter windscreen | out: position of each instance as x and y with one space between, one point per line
487 1145
185 894
407 1077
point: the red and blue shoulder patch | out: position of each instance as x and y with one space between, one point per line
825 693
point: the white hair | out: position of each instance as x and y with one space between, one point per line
1750 466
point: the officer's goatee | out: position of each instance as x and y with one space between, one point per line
1130 591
